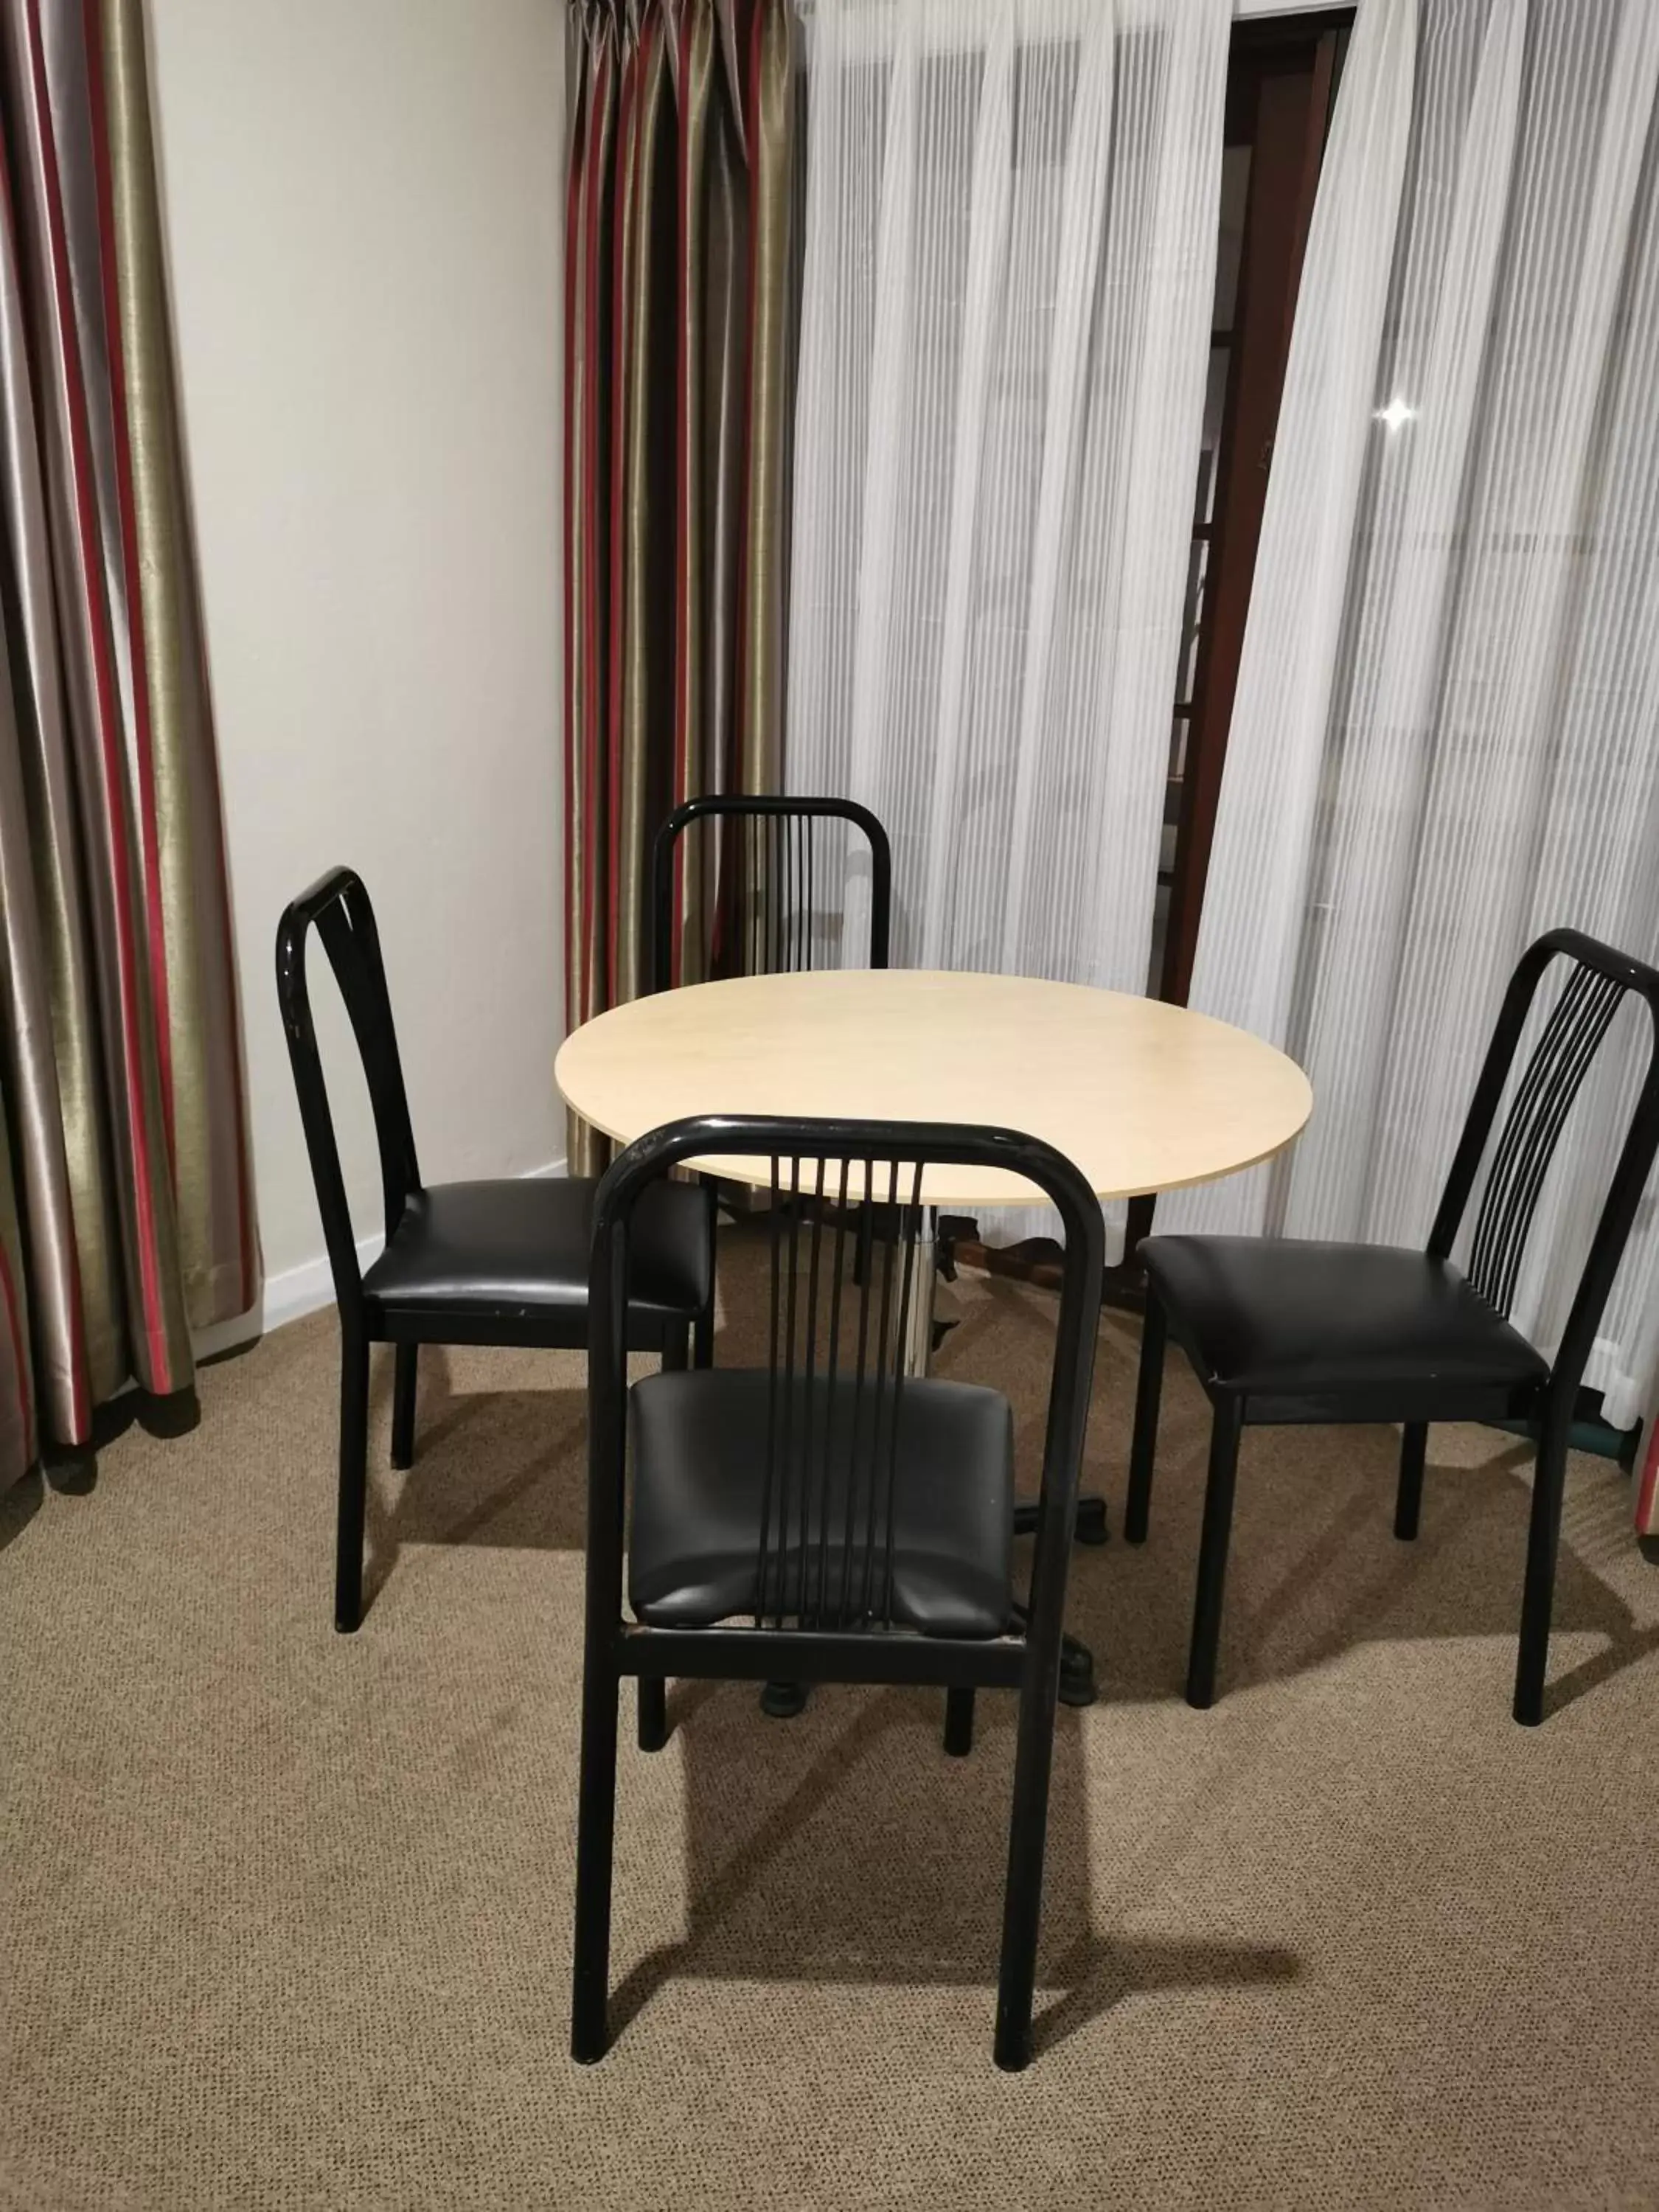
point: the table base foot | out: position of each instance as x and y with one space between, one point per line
1077 1674
783 1701
1089 1527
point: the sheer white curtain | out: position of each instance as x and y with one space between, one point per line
1010 255
1446 737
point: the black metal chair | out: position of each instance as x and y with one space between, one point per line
502 1263
760 860
825 1517
1285 1331
760 855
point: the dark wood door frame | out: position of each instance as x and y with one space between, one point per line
1281 84
1281 81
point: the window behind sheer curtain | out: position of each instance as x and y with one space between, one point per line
1446 737
1011 238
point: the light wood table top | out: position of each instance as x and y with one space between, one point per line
1143 1097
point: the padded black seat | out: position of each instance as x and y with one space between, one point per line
527 1244
700 1446
1314 1330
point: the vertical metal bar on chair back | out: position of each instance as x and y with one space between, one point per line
836 1382
1597 984
762 877
339 906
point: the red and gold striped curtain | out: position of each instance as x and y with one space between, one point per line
679 344
125 1208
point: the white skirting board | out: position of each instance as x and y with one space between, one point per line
301 1289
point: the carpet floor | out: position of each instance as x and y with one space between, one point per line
286 1915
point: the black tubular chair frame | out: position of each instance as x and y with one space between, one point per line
338 907
1549 1084
617 1647
787 939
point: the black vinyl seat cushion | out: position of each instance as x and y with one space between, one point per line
700 1442
523 1246
1317 1331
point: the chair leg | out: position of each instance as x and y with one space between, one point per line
1408 1503
1022 1905
402 1406
958 1722
354 1475
702 1335
1538 1599
1212 1551
596 1825
653 1712
675 1342
1143 1450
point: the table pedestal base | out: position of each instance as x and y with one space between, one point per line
1077 1661
1089 1527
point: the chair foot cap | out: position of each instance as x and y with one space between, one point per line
1077 1677
1092 1527
783 1701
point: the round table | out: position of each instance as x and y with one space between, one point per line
1143 1097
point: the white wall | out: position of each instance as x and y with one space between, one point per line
364 206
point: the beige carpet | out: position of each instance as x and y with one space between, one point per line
287 1915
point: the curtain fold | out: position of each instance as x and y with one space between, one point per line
678 397
1446 735
1011 220
126 1215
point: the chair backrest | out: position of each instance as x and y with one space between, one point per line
339 906
1597 984
835 1350
758 865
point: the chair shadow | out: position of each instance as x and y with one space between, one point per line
1315 1570
1099 1973
877 1860
502 1467
20 1504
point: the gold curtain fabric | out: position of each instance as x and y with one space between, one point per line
679 339
126 1215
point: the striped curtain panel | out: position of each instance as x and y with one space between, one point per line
681 238
126 1217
